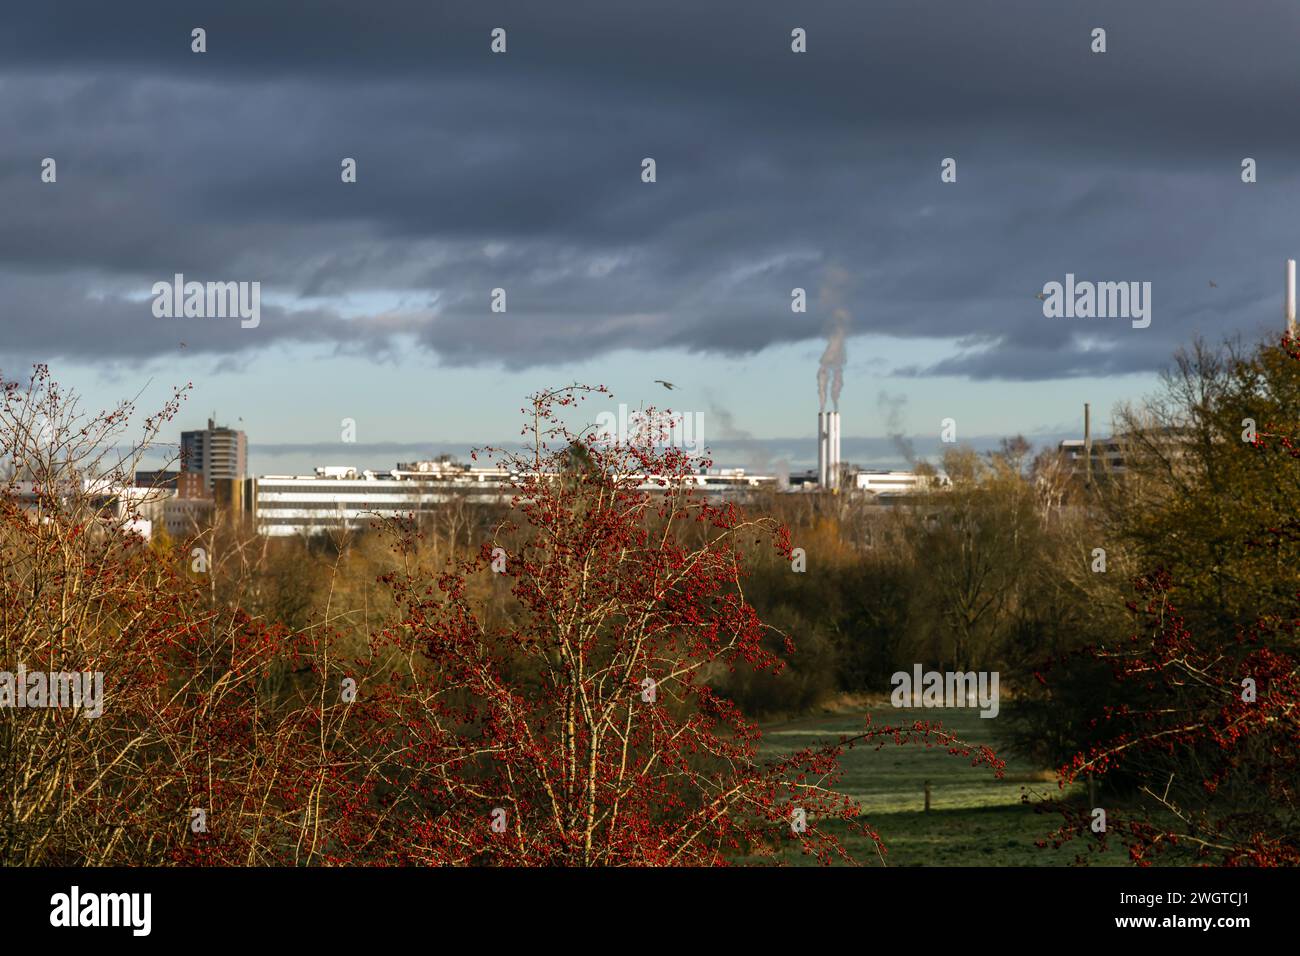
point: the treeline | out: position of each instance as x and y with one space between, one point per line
990 574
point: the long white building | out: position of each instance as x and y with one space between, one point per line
340 498
896 482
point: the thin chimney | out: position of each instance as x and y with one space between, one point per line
823 449
833 450
1289 309
1087 444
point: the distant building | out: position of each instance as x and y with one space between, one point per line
878 483
1120 454
895 482
232 495
192 484
215 452
1107 457
338 497
183 517
340 500
127 507
156 479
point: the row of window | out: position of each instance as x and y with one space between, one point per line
326 507
369 488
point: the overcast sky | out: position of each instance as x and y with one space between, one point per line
522 171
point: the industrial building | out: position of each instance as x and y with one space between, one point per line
1093 458
341 498
896 482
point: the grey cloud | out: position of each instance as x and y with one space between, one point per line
522 172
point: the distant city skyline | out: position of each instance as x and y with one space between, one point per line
769 456
457 419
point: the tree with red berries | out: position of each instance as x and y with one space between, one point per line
1200 728
580 727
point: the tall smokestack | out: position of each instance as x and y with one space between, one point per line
830 451
1289 309
834 449
823 449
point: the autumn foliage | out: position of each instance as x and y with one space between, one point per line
546 700
1201 718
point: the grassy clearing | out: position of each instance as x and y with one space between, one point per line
976 819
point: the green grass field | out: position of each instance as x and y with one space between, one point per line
975 819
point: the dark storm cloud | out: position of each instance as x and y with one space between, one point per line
44 319
522 172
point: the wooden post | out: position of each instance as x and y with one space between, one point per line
927 796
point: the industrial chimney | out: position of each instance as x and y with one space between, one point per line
834 450
1289 308
828 450
823 446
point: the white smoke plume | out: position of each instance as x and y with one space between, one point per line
830 369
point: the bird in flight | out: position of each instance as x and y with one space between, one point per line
668 385
182 345
1040 295
1213 284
